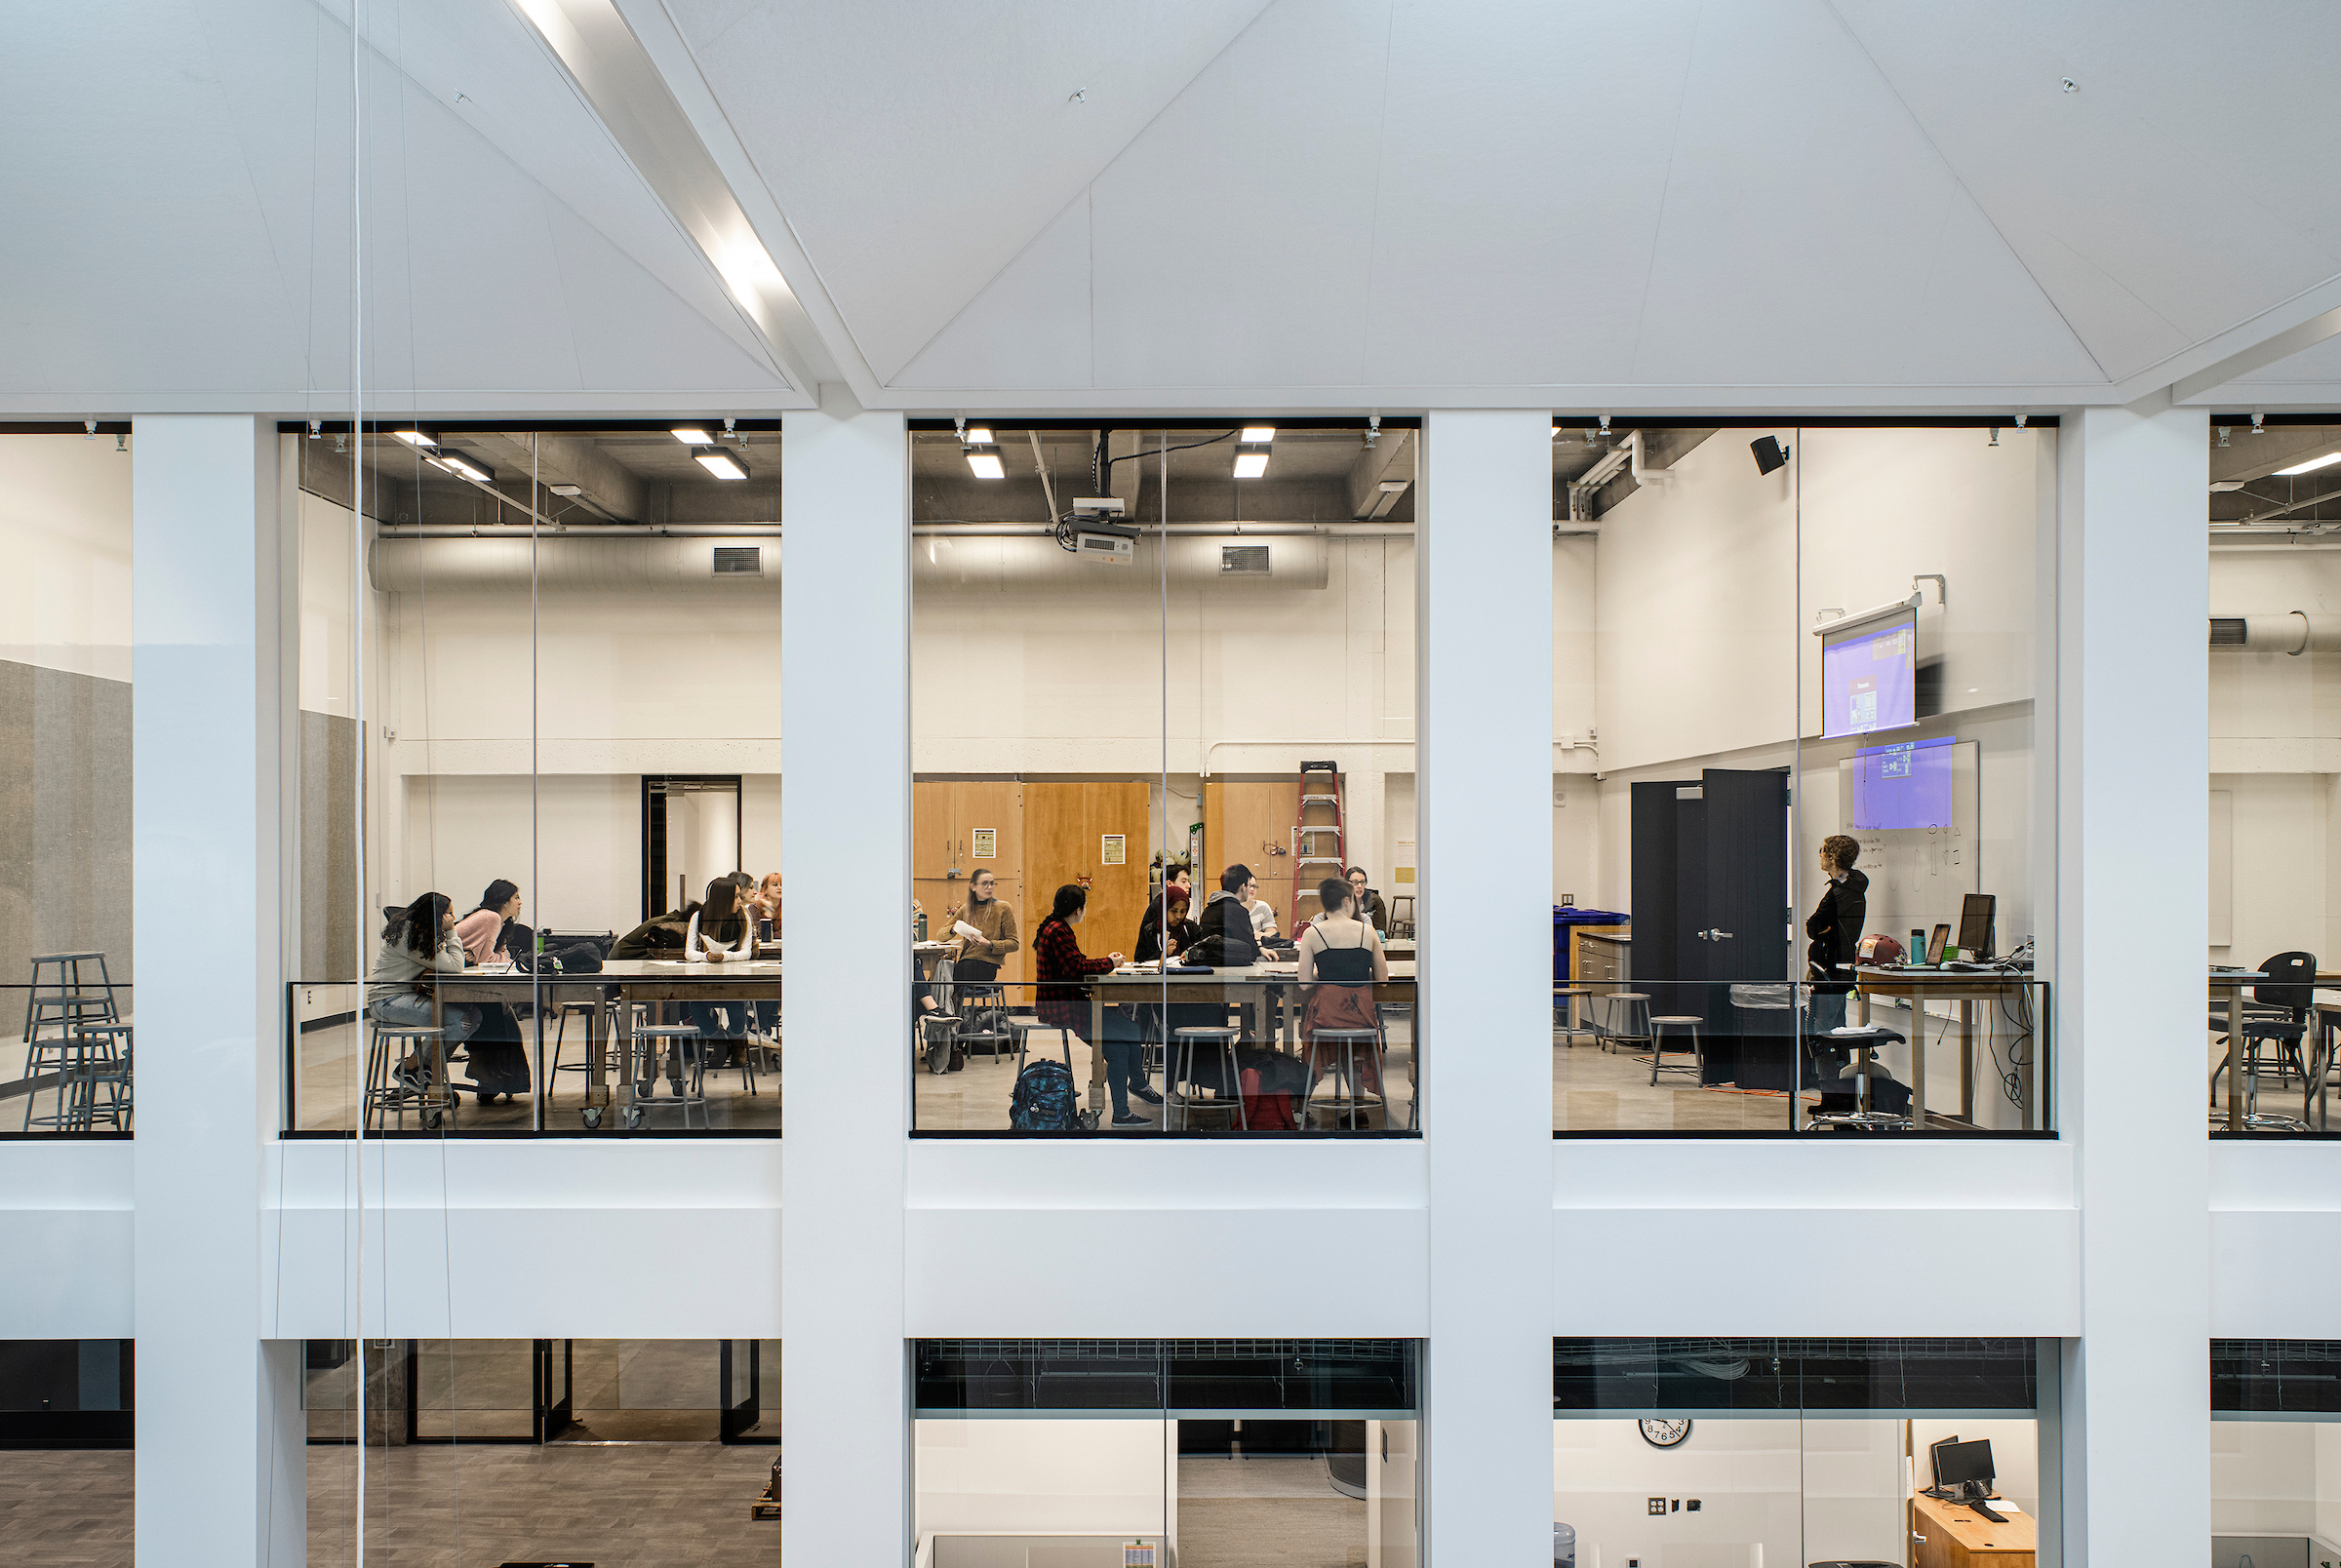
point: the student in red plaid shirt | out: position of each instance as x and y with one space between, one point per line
1057 957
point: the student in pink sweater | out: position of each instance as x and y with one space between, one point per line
482 930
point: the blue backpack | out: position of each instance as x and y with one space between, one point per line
1043 1100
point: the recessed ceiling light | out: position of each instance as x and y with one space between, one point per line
1391 486
721 463
462 467
1257 435
2325 462
1251 464
422 439
692 436
986 465
977 436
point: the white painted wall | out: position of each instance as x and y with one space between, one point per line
1743 1472
1100 1477
2265 1475
1689 621
64 553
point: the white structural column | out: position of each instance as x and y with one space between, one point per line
2132 760
1485 811
844 627
211 1399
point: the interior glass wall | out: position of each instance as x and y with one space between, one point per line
2276 754
1799 835
540 679
1152 1452
549 1450
1163 672
1730 1453
65 967
2275 1453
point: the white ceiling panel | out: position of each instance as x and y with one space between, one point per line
917 150
1517 202
626 329
2188 183
1232 239
1802 211
1029 328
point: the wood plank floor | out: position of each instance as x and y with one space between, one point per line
68 1508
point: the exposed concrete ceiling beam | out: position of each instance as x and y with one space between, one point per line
1390 461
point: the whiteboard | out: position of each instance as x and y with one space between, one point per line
1919 875
2223 867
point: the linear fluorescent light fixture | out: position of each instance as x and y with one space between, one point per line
719 462
979 436
421 440
986 465
462 467
1251 464
1257 435
692 436
1391 486
2314 464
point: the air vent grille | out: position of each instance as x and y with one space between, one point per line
739 561
2227 630
1249 559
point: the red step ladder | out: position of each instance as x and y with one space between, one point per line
1320 792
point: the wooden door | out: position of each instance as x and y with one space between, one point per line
1064 829
1244 822
993 807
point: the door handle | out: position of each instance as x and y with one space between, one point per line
1715 936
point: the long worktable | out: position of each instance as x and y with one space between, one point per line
626 981
1963 989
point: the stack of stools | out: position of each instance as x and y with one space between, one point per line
389 1093
63 998
1181 1084
101 1065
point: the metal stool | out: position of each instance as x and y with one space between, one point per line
1698 1056
1353 1102
1020 1027
105 1064
51 1010
387 1091
1565 1013
601 1080
1384 1012
1627 1020
690 1070
1864 1038
983 1018
1181 1081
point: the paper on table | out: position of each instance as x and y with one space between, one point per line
963 928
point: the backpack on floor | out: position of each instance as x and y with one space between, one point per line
1043 1100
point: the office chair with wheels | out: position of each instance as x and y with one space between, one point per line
2276 1018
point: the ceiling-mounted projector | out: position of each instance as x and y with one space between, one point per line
1094 528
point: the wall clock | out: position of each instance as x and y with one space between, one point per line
1665 1433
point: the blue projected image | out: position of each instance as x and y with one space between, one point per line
1870 680
1905 786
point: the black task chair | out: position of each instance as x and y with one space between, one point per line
2270 1029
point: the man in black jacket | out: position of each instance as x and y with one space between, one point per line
1227 941
1835 926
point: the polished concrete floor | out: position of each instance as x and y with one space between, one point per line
1596 1091
67 1508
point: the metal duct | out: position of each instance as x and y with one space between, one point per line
2290 630
577 560
990 561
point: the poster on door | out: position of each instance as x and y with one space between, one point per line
1113 849
985 841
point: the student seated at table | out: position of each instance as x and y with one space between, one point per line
722 928
1166 937
1226 940
1057 957
1369 905
497 1063
420 940
1342 959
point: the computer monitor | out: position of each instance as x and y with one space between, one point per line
1955 1461
1975 914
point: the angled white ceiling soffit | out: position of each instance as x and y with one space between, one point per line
917 150
2181 204
1438 202
188 222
